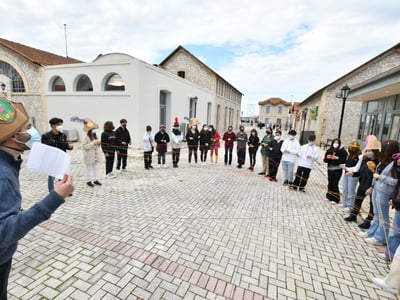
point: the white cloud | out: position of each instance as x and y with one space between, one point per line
286 48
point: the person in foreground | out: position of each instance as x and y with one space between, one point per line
14 222
391 283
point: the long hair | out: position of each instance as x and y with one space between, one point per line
108 126
388 148
354 150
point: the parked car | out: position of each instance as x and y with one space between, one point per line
261 125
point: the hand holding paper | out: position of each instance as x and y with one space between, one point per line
49 161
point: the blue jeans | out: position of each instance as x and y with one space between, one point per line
380 223
394 236
50 183
288 168
349 190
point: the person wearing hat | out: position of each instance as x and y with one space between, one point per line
290 148
91 152
56 138
124 140
162 139
365 178
15 223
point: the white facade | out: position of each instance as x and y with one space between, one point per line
139 103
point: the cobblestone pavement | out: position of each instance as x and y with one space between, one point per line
205 232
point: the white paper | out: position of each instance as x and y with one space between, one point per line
48 160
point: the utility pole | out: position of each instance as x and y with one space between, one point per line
66 44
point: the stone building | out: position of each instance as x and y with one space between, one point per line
21 72
372 107
227 100
275 112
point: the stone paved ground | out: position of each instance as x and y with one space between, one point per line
206 232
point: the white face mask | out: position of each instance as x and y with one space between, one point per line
277 137
311 143
335 145
291 137
59 128
35 137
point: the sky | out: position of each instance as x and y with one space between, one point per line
264 48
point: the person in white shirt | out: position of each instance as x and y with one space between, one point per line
290 149
148 148
309 153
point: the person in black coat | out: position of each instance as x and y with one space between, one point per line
162 140
124 139
275 155
109 144
334 156
192 139
253 143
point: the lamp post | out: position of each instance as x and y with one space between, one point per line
304 116
344 93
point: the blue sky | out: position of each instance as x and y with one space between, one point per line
287 48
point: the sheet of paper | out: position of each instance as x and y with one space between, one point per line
48 160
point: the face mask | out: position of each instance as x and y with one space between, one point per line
162 130
229 129
25 137
35 137
277 137
123 125
59 128
194 127
335 145
369 154
311 143
291 137
94 131
209 129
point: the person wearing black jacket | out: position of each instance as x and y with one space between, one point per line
253 143
162 139
192 139
275 155
109 144
56 138
124 139
205 140
334 156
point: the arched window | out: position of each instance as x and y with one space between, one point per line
115 83
16 79
84 84
58 84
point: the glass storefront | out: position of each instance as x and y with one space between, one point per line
381 117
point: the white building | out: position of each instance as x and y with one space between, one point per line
116 86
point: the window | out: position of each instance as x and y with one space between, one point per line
267 109
17 84
193 107
181 74
209 106
280 110
163 107
58 85
84 84
115 83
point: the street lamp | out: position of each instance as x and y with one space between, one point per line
304 116
344 93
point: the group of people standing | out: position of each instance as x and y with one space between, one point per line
373 172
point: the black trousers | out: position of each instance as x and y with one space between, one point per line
4 274
122 156
148 157
333 193
241 154
360 196
110 162
193 152
252 156
228 155
302 175
175 156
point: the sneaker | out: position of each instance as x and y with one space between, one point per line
365 225
383 256
346 209
165 166
373 241
151 167
111 175
96 182
363 234
124 170
158 166
340 204
302 190
89 183
381 282
118 171
351 218
261 173
291 187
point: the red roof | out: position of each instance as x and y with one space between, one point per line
37 56
274 101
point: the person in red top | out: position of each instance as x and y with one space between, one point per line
229 138
214 143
